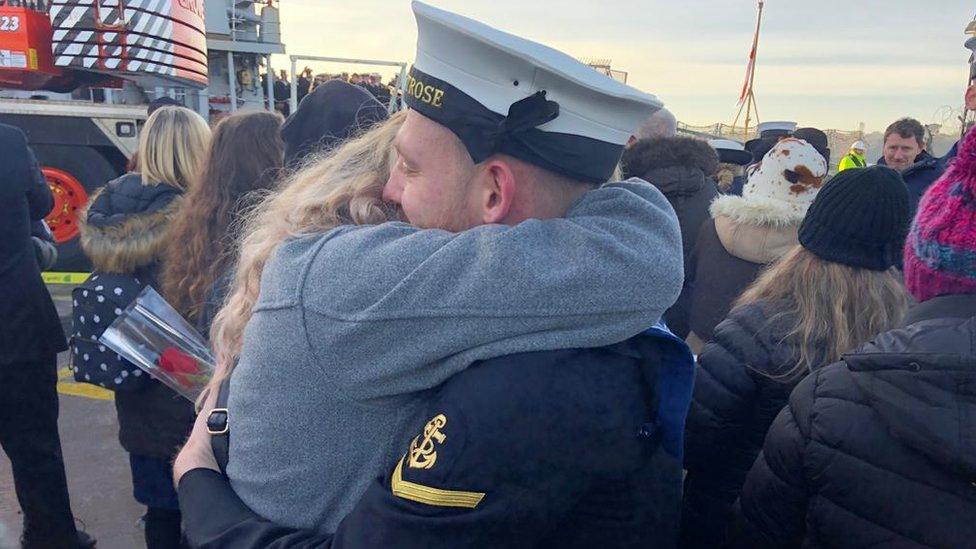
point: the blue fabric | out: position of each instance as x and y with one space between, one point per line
738 184
152 482
675 383
946 258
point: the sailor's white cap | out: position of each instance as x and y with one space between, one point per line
776 128
731 151
503 94
726 144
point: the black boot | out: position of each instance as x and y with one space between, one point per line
163 529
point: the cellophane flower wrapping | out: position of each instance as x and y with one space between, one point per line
151 334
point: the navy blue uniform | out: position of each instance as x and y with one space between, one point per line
573 448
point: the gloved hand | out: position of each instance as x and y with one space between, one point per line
46 253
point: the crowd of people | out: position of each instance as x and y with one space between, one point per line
308 82
523 312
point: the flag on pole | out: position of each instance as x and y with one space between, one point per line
751 67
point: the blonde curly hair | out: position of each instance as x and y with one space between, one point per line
342 187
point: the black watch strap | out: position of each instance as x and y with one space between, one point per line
218 425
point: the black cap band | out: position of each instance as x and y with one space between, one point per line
484 132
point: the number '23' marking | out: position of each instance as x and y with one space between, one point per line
9 24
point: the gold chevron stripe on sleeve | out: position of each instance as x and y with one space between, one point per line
432 496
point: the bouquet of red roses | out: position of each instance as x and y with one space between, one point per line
154 337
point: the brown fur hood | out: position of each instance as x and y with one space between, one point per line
124 226
664 153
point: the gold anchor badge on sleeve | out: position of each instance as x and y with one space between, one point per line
423 453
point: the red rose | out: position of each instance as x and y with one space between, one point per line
178 363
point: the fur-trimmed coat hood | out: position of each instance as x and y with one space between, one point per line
757 229
671 155
761 212
124 227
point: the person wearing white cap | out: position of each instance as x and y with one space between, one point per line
854 158
566 430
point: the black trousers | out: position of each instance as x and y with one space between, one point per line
29 437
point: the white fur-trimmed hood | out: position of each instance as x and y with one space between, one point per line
760 211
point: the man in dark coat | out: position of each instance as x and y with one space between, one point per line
304 83
682 169
282 93
30 339
904 150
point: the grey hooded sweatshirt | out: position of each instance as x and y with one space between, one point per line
353 329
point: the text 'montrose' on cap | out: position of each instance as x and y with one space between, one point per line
503 94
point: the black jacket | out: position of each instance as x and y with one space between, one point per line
920 175
878 450
548 449
744 378
681 168
31 329
124 232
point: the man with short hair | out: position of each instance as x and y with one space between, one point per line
282 93
304 83
854 158
660 124
554 448
904 150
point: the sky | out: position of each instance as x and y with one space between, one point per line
824 63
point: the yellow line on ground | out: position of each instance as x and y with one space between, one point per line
68 387
64 278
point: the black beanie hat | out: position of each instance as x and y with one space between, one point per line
160 102
816 138
334 112
860 218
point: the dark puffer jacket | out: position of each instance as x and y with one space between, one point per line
124 232
878 450
682 169
742 381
